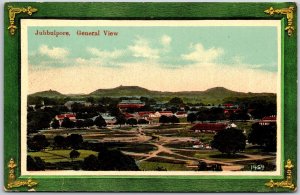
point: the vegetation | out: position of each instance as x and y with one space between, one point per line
100 122
74 154
264 135
153 166
36 164
215 95
37 143
229 141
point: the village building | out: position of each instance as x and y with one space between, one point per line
61 117
181 114
209 127
267 120
124 104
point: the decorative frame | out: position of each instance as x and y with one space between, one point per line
14 181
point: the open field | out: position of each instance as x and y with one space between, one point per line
53 156
164 147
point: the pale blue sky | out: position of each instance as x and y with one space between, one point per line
166 58
247 45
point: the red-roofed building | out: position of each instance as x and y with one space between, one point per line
228 105
145 113
128 115
267 120
166 113
124 104
61 117
209 127
181 114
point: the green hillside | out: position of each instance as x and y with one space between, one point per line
49 93
216 95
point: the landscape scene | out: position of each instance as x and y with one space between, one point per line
153 99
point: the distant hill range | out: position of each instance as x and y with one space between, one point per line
215 95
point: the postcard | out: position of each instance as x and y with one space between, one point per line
114 100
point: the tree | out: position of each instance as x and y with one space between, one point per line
38 120
91 163
74 154
77 107
79 123
67 123
176 101
74 140
164 119
216 114
143 121
173 119
264 135
37 143
202 166
100 122
60 141
36 164
115 160
121 120
90 99
191 117
229 141
131 121
55 124
88 122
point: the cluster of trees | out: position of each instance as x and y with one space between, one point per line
260 106
35 164
229 141
80 123
168 119
109 160
264 135
206 114
40 142
38 120
232 140
133 121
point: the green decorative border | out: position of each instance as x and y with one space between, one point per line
149 11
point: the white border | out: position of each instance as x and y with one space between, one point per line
25 23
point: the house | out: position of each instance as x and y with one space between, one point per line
110 120
124 104
128 115
61 117
267 120
209 127
146 115
181 114
165 113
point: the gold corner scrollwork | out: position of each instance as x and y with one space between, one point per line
13 183
289 12
288 183
13 11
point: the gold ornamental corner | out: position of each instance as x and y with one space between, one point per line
288 183
13 11
13 183
289 12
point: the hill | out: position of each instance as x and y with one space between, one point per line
214 95
123 91
49 93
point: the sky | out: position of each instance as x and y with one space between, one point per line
163 58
